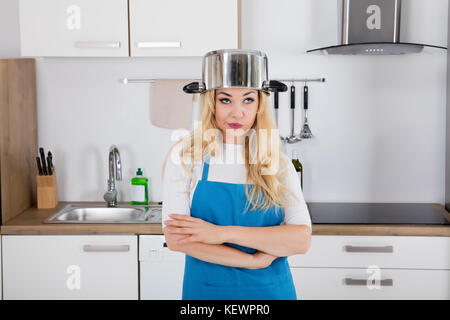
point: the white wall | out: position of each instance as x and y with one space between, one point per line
9 29
379 121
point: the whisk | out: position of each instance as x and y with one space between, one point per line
306 131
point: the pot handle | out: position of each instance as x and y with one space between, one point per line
275 86
194 87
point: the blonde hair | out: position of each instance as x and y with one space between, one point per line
269 185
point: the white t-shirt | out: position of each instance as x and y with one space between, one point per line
228 167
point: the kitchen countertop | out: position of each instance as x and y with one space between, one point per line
31 222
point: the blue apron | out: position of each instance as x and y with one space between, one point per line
222 203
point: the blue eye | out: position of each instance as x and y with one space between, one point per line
250 100
224 100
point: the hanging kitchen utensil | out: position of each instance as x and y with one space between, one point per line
275 106
306 131
293 138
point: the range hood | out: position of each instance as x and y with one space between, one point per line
371 27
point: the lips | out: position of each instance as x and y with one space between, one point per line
235 125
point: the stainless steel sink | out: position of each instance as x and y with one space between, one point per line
103 214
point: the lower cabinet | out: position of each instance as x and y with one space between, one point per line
373 267
110 267
363 284
161 270
70 267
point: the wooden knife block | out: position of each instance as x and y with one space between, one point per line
47 191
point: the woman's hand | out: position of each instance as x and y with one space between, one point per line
262 260
194 229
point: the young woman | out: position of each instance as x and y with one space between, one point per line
235 207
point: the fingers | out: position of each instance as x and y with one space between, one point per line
186 240
181 238
178 223
183 217
175 230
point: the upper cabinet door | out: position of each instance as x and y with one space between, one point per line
182 28
67 28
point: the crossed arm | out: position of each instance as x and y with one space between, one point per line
205 241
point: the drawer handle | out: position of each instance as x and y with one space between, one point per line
107 248
96 44
363 282
155 44
385 249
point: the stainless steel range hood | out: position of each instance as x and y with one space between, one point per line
371 27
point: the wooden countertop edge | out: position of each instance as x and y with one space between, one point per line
27 224
381 230
322 229
82 229
348 230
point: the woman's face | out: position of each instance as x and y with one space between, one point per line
236 112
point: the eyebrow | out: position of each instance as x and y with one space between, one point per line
229 95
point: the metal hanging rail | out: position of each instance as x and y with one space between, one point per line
302 80
128 80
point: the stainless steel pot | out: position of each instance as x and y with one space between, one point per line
235 68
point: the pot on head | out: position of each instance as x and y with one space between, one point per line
235 68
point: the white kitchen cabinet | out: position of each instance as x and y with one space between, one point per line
338 267
182 28
74 28
70 267
357 284
384 251
161 269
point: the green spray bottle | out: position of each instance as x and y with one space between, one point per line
139 189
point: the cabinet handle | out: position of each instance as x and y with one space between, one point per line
96 44
363 282
385 249
106 248
155 44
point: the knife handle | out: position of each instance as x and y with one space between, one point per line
38 161
44 166
49 167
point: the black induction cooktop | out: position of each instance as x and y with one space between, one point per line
375 213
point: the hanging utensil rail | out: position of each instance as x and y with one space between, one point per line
302 80
306 134
128 80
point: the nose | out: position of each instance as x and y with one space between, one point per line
237 110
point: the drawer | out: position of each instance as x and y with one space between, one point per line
383 251
70 267
154 248
340 284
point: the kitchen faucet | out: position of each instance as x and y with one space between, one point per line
115 173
